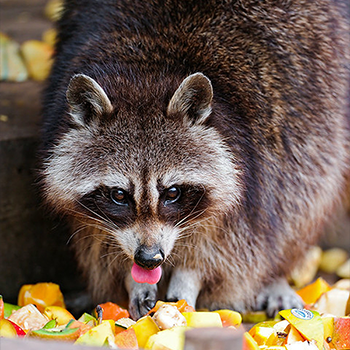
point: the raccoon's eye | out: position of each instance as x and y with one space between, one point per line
119 196
172 194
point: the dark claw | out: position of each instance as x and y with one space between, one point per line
149 303
139 306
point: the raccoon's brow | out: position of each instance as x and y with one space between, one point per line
103 190
115 180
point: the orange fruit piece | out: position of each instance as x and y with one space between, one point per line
42 295
313 291
112 311
229 318
181 305
341 333
83 327
2 308
127 340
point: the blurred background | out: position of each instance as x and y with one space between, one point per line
33 245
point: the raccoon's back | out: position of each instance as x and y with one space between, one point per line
258 57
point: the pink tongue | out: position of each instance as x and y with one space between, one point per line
141 275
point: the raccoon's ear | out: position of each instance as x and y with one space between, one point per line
86 99
193 98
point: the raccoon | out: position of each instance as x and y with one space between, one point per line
197 147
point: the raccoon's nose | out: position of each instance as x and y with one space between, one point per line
148 257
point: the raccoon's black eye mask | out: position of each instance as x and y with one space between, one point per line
109 204
176 203
179 203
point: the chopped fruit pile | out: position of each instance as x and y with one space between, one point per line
324 323
300 329
108 325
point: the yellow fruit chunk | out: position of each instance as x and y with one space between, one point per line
29 318
172 339
343 284
308 323
41 294
254 317
334 302
7 330
267 324
328 327
229 318
53 9
264 335
98 336
332 259
270 333
313 291
37 57
144 328
12 67
307 268
293 336
50 36
202 319
61 315
249 343
343 271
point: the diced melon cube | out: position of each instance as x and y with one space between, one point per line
332 259
144 328
172 339
202 319
97 336
333 302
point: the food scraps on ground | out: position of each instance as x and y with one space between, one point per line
323 324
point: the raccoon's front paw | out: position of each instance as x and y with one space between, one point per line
278 296
184 284
142 299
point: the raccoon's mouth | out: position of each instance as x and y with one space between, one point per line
147 264
141 275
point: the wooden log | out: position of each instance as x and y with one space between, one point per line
214 338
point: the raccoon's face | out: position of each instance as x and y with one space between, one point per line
145 179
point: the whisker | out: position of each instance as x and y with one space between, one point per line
194 208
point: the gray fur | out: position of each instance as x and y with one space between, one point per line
240 104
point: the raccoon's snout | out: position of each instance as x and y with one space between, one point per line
149 257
